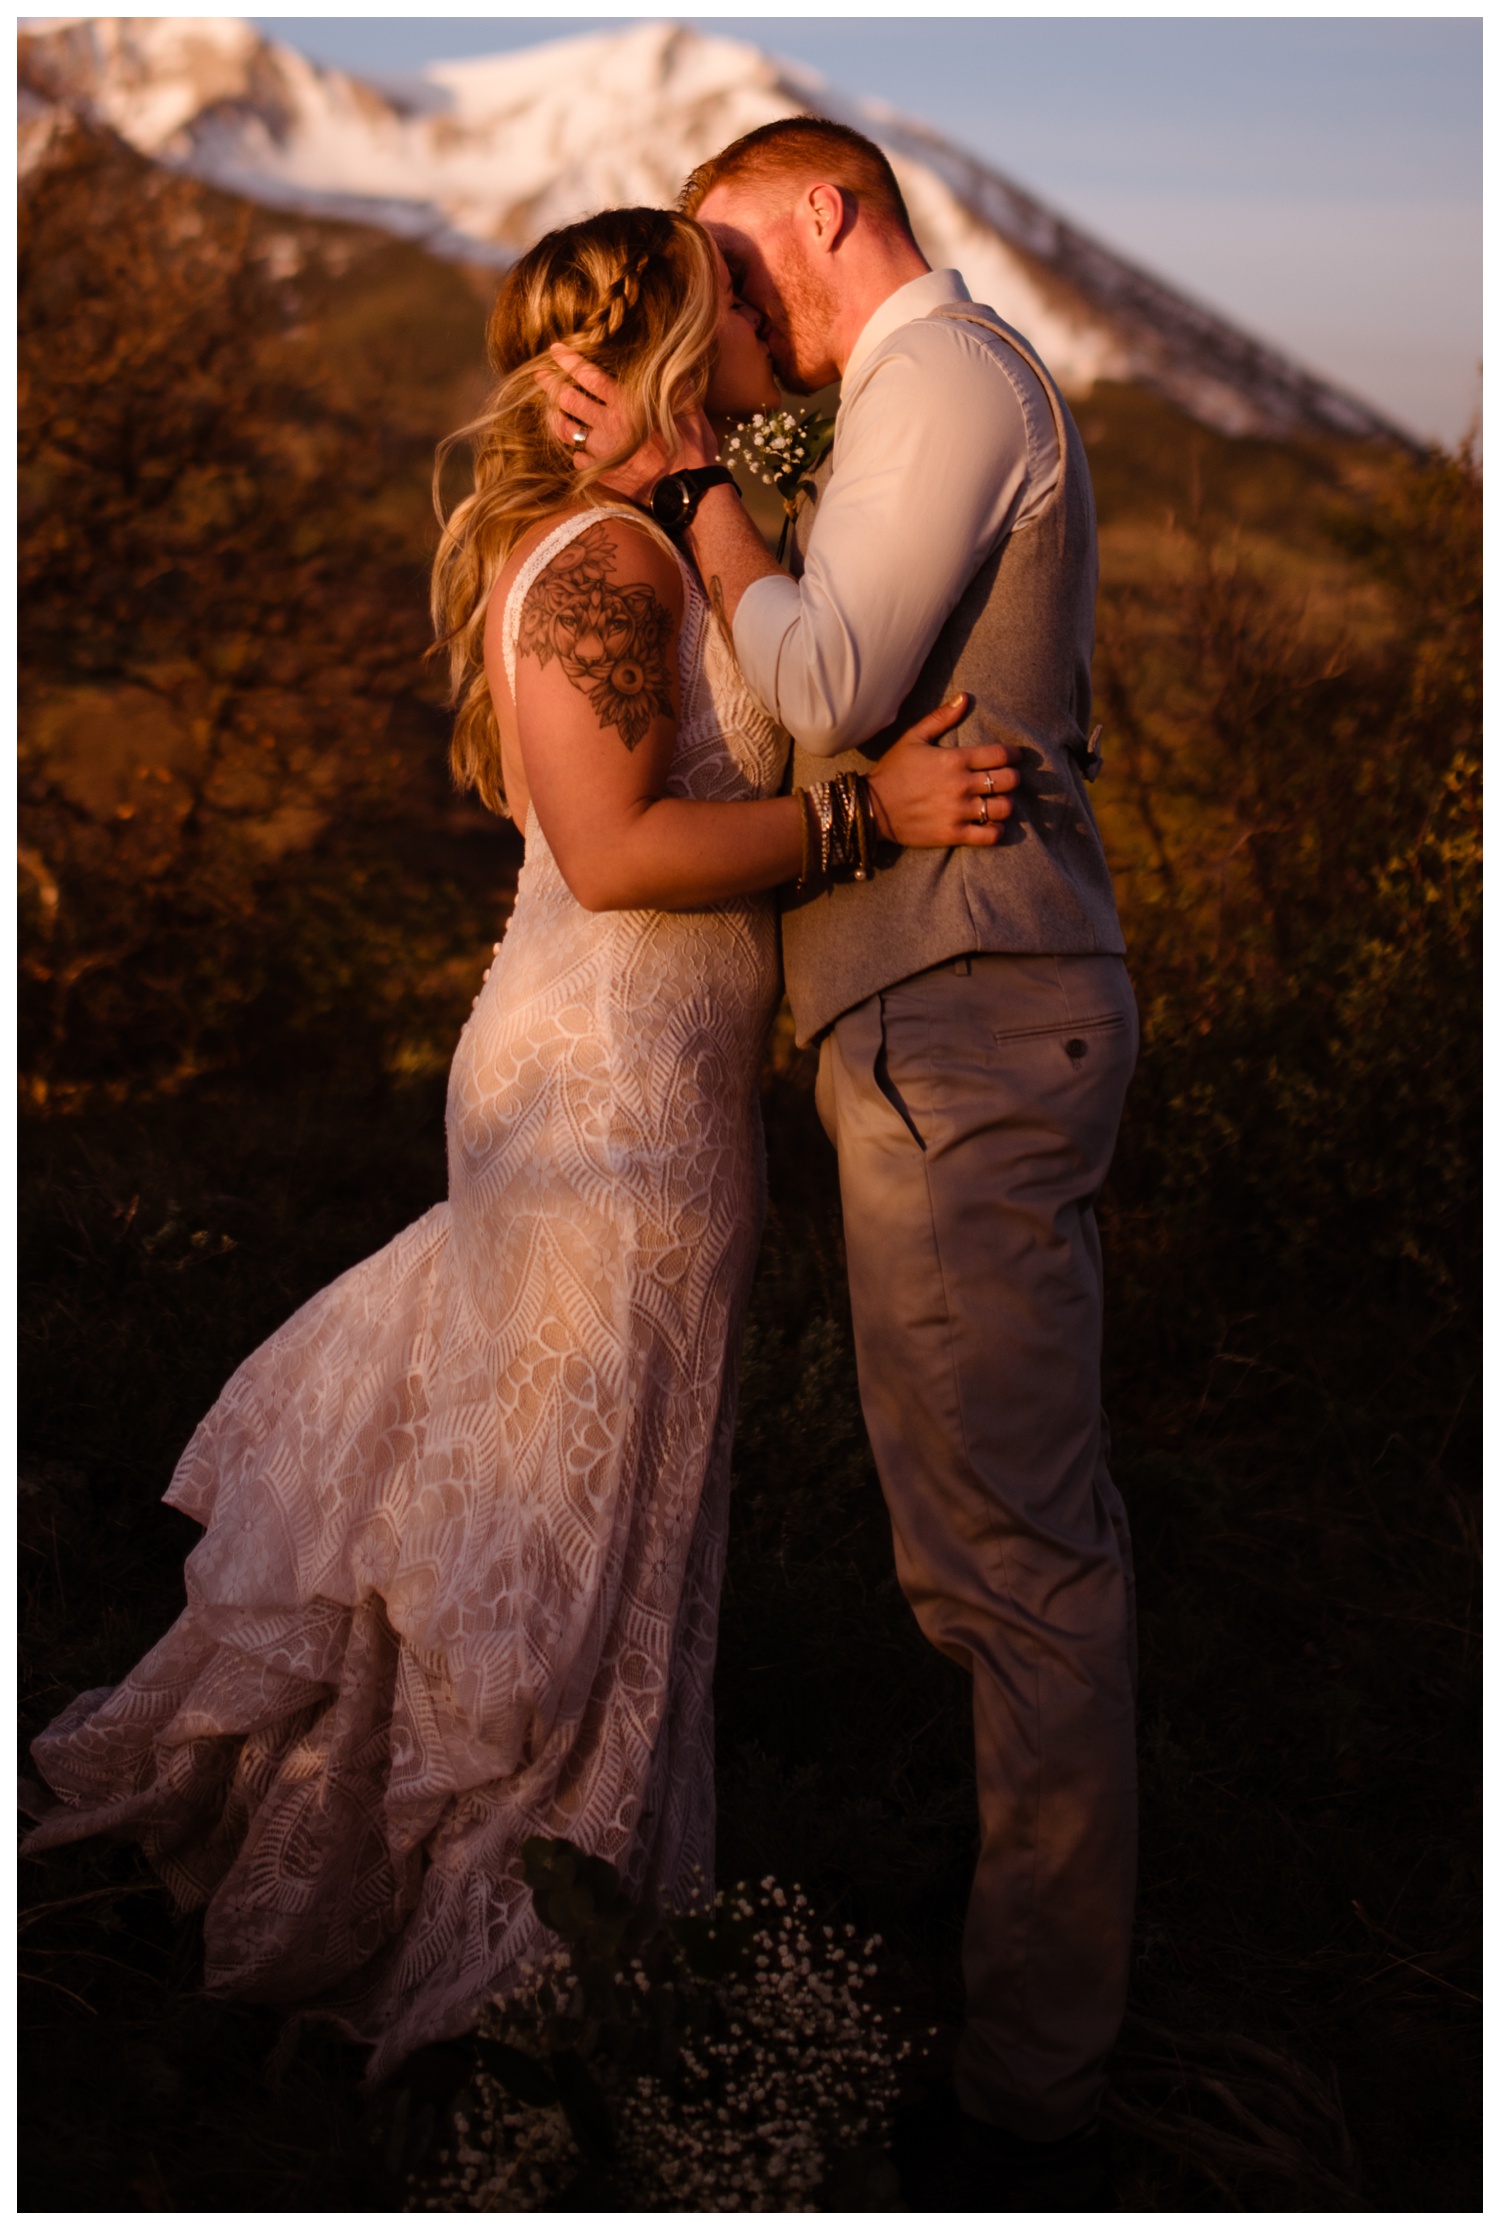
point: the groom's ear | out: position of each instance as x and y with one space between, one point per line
826 211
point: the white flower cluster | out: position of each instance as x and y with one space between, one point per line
796 2068
770 445
511 2160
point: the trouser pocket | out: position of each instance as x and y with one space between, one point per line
1093 1025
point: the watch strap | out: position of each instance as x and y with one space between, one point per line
675 499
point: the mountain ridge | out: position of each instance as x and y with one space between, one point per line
476 158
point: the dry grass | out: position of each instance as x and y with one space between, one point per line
1249 2120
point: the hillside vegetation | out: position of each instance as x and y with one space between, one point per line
253 916
240 839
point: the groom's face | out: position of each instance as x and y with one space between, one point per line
778 276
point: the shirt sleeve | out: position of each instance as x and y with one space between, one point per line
930 467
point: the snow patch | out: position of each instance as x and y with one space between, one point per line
479 157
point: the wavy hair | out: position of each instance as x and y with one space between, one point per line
636 292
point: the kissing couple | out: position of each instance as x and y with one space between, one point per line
465 1513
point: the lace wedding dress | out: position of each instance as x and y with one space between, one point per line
465 1512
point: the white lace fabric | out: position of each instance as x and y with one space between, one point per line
466 1510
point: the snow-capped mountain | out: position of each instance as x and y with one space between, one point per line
477 158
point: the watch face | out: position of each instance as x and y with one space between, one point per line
676 500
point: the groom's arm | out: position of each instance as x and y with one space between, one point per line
729 553
931 467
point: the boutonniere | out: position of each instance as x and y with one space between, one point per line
784 451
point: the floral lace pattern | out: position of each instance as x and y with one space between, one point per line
465 1512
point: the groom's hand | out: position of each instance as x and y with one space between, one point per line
587 403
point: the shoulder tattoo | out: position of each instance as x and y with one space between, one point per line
610 640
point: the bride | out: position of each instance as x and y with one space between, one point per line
465 1513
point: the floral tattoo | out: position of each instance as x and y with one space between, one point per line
610 641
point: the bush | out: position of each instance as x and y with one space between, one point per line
237 830
1295 798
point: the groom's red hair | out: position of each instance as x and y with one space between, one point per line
804 150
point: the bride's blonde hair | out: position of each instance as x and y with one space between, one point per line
636 292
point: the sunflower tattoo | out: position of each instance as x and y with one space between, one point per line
611 641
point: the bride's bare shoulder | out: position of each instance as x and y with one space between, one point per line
613 547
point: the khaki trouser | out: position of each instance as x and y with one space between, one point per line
975 1109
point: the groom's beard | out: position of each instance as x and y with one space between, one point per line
799 330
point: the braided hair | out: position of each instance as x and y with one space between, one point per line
622 297
635 291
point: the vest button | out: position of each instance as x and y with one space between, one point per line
1076 1048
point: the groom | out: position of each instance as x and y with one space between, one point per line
976 1034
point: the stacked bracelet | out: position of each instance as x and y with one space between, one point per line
839 831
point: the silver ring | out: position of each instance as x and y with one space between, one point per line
580 439
989 781
984 813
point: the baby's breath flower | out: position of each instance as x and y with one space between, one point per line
745 2118
779 448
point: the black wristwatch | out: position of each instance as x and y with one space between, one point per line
675 500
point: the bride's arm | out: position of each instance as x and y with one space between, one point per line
597 713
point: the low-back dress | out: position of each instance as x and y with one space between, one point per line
466 1510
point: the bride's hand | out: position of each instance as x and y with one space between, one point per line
926 798
587 401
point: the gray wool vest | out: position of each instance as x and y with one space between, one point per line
1019 639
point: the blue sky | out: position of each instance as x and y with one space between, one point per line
1317 178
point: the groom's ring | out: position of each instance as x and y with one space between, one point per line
984 813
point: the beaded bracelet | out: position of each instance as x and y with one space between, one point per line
839 831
